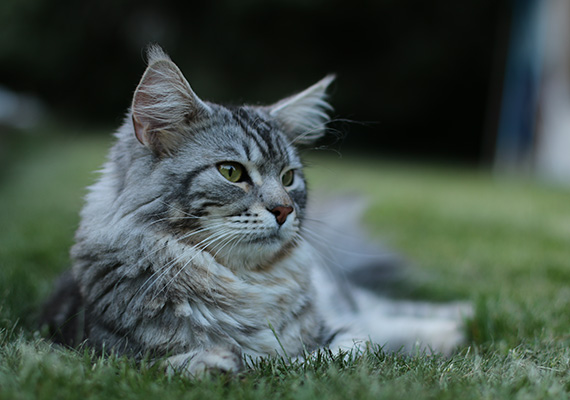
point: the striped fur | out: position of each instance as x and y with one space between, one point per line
173 260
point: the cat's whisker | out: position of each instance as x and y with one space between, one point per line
335 246
211 240
156 275
306 134
156 221
238 240
219 242
328 255
322 239
186 216
331 247
204 229
163 270
165 244
177 209
232 238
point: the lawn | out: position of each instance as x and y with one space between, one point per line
502 243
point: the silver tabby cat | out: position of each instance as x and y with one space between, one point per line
193 246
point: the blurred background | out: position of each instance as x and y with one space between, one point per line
476 82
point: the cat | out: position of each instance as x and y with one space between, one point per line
195 247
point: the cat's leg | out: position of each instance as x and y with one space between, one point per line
406 334
199 363
348 341
343 342
410 326
400 326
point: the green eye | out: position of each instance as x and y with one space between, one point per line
232 171
288 177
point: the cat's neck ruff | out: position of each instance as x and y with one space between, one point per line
264 300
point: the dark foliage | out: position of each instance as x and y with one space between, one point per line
419 75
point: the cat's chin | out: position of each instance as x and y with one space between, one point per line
267 240
256 254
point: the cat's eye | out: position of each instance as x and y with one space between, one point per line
232 171
288 177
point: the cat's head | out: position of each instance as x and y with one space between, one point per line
231 179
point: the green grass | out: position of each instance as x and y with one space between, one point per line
504 244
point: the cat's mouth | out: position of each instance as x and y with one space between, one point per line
249 238
269 238
257 251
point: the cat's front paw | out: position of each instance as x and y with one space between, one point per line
200 363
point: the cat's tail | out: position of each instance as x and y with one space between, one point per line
350 255
62 319
358 279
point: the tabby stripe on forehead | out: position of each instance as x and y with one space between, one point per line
247 150
246 123
281 150
265 131
231 150
263 148
274 143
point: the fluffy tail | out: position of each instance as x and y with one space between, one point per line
349 255
63 315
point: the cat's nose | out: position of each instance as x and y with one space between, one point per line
281 213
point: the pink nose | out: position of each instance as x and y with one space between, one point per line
281 213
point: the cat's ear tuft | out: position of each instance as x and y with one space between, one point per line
163 104
155 53
305 115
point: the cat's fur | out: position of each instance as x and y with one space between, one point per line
174 261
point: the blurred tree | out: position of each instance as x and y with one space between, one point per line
417 72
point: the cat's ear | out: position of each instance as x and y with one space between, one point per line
163 103
304 115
